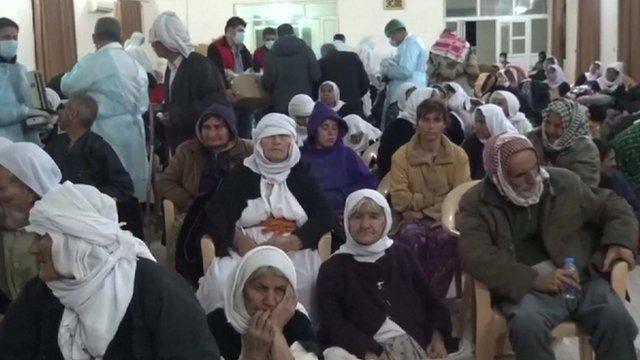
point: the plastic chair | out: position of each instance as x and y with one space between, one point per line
383 186
370 155
169 229
491 326
324 247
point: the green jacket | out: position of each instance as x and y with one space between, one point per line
575 221
17 266
583 157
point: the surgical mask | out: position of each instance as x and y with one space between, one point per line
239 38
269 44
393 42
8 48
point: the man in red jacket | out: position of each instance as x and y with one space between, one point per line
269 37
228 51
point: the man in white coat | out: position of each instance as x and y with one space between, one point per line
119 85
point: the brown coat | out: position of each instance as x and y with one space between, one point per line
575 221
416 184
180 181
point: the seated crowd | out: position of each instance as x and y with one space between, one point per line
320 253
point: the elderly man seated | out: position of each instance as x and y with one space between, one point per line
26 174
518 226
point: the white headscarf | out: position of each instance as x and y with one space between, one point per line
495 119
133 47
234 307
301 105
269 125
366 253
31 165
607 86
559 77
336 95
4 142
358 125
518 119
401 95
593 77
171 32
419 95
460 100
98 261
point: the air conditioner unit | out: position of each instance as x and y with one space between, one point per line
102 6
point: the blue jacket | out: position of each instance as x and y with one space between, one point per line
410 65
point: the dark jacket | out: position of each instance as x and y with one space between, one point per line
298 329
398 133
91 161
196 86
163 321
346 70
355 298
574 221
618 183
339 170
583 157
291 69
195 170
474 148
242 184
221 54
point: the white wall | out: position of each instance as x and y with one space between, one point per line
85 22
21 12
608 31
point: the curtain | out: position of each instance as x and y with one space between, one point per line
628 34
55 36
588 34
558 29
129 14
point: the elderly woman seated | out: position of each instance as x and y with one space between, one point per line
489 121
361 134
374 300
271 200
423 172
261 317
329 94
338 170
563 141
200 164
510 105
99 293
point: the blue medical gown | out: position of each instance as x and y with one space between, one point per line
14 99
119 85
410 65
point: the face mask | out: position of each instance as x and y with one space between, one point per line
269 44
8 48
393 42
239 38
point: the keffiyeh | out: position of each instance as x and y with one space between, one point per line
574 121
31 165
171 32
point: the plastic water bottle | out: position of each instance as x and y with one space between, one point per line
571 292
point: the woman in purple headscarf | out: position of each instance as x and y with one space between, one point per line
338 170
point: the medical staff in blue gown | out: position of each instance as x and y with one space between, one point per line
119 85
14 88
409 64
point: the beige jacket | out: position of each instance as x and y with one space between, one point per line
417 184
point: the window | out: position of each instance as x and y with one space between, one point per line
461 8
496 7
530 7
539 30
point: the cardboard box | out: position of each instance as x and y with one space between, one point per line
252 95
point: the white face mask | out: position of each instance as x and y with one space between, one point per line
393 42
239 38
8 48
269 44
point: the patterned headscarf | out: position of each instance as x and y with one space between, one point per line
574 121
495 156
